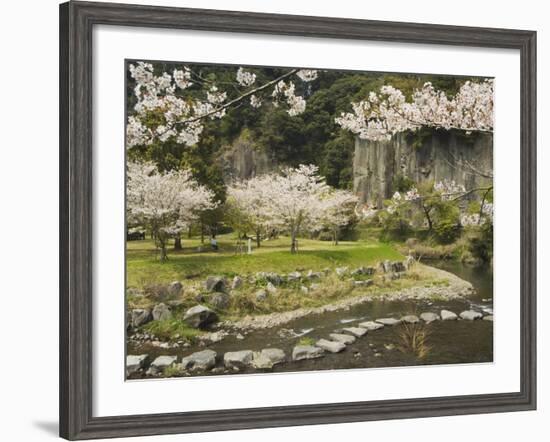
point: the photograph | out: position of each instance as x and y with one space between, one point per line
289 219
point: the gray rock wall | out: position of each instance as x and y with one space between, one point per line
443 155
243 160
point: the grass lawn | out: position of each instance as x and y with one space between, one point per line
143 267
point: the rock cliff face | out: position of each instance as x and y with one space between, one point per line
443 155
243 160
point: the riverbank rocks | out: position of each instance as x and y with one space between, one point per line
201 360
200 316
215 284
428 317
267 358
141 316
371 325
239 359
471 315
161 363
409 262
261 295
341 271
330 346
488 318
273 278
388 321
364 283
355 331
271 288
410 319
398 267
447 315
301 352
304 290
134 363
220 301
236 283
313 275
344 339
175 288
385 266
293 276
161 312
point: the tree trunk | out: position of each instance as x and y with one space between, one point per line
163 251
293 248
257 238
177 243
202 233
335 233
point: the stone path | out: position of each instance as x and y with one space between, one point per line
267 358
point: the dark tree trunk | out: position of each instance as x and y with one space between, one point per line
257 238
177 243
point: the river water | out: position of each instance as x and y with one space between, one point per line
448 342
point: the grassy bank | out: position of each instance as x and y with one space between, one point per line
143 267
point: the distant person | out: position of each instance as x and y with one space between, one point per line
214 243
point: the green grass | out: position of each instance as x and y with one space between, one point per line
172 329
143 267
306 340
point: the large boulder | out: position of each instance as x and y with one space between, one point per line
428 317
201 360
330 346
160 364
220 301
200 316
161 312
215 284
175 288
268 357
313 275
447 315
301 352
238 359
134 363
141 316
344 339
471 315
273 278
371 325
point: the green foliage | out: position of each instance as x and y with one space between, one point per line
171 329
306 340
446 221
402 183
480 242
395 226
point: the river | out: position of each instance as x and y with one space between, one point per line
448 342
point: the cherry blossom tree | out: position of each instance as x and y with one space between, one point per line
337 211
295 199
165 203
174 105
383 114
249 208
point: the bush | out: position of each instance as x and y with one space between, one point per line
480 242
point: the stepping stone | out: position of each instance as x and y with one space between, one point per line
471 315
355 331
446 315
371 325
301 352
162 362
268 357
238 359
388 321
410 319
134 363
428 317
331 346
344 339
201 360
488 318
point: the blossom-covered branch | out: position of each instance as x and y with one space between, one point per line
169 107
388 112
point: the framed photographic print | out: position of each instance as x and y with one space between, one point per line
272 220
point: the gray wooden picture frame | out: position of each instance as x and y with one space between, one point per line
77 20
